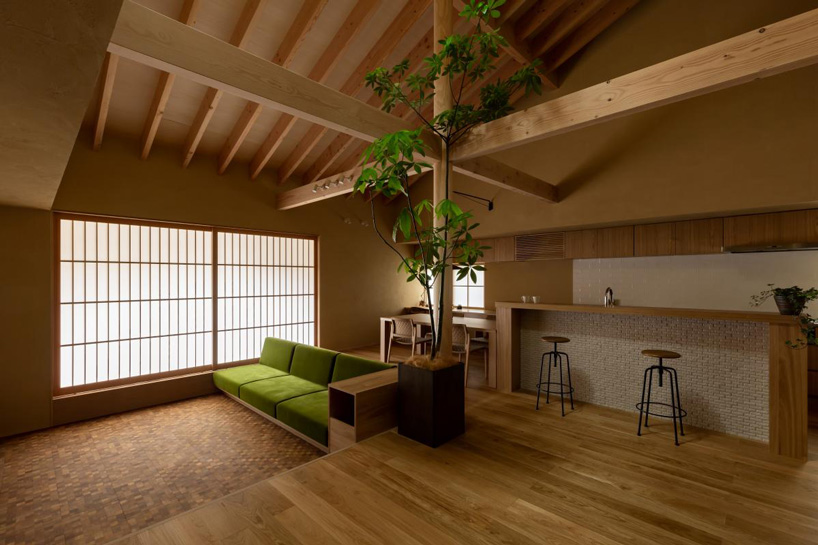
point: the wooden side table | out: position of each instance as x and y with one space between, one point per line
361 407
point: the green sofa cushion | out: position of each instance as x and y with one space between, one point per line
277 353
313 363
308 414
266 394
233 378
347 366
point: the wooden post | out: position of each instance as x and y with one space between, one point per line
443 11
788 394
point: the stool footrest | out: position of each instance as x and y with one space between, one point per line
680 413
565 389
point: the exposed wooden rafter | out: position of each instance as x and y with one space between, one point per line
583 35
303 23
155 40
252 8
538 16
164 87
779 47
407 17
350 28
107 78
567 21
518 49
342 142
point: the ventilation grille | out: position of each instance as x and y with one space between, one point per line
540 246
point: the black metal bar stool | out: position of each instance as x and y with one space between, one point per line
554 357
675 406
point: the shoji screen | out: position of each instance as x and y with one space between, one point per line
265 288
134 300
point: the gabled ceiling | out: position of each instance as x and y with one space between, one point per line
334 42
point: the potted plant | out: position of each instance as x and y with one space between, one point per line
430 387
791 302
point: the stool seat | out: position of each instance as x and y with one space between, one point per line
558 340
664 354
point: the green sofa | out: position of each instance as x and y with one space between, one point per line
290 381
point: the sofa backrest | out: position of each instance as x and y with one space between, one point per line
347 366
277 353
313 363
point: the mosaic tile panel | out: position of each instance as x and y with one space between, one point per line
95 481
723 372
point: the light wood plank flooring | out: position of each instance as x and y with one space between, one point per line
522 476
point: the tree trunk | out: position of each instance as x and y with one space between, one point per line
444 288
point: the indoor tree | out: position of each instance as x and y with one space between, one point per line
442 230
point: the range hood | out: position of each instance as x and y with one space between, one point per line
789 247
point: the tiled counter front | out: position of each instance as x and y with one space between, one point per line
723 372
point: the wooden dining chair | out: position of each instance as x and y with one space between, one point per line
460 346
405 332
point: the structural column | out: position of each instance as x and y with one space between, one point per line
443 12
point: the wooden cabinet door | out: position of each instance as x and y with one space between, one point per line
655 239
615 241
699 236
488 254
768 229
581 244
504 249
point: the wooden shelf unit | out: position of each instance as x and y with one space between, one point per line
361 407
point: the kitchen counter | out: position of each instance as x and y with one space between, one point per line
704 314
737 365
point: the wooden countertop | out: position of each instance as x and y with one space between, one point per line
701 314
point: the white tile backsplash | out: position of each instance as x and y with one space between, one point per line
718 281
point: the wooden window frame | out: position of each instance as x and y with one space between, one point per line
58 216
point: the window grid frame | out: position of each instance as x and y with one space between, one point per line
468 286
57 303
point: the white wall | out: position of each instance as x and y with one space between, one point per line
721 281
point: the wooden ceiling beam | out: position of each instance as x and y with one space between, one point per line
164 87
107 87
582 36
303 23
569 20
518 49
249 15
538 16
402 23
351 27
500 175
342 142
483 169
764 52
155 40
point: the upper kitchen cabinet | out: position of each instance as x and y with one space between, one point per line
581 244
654 239
771 229
699 237
500 249
615 241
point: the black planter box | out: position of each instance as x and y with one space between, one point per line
431 404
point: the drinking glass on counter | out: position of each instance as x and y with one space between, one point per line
524 299
535 299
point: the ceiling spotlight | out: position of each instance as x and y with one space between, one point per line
315 188
325 186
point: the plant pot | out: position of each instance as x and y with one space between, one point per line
787 308
431 404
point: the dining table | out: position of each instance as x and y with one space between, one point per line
484 326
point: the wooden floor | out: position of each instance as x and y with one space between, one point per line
522 476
